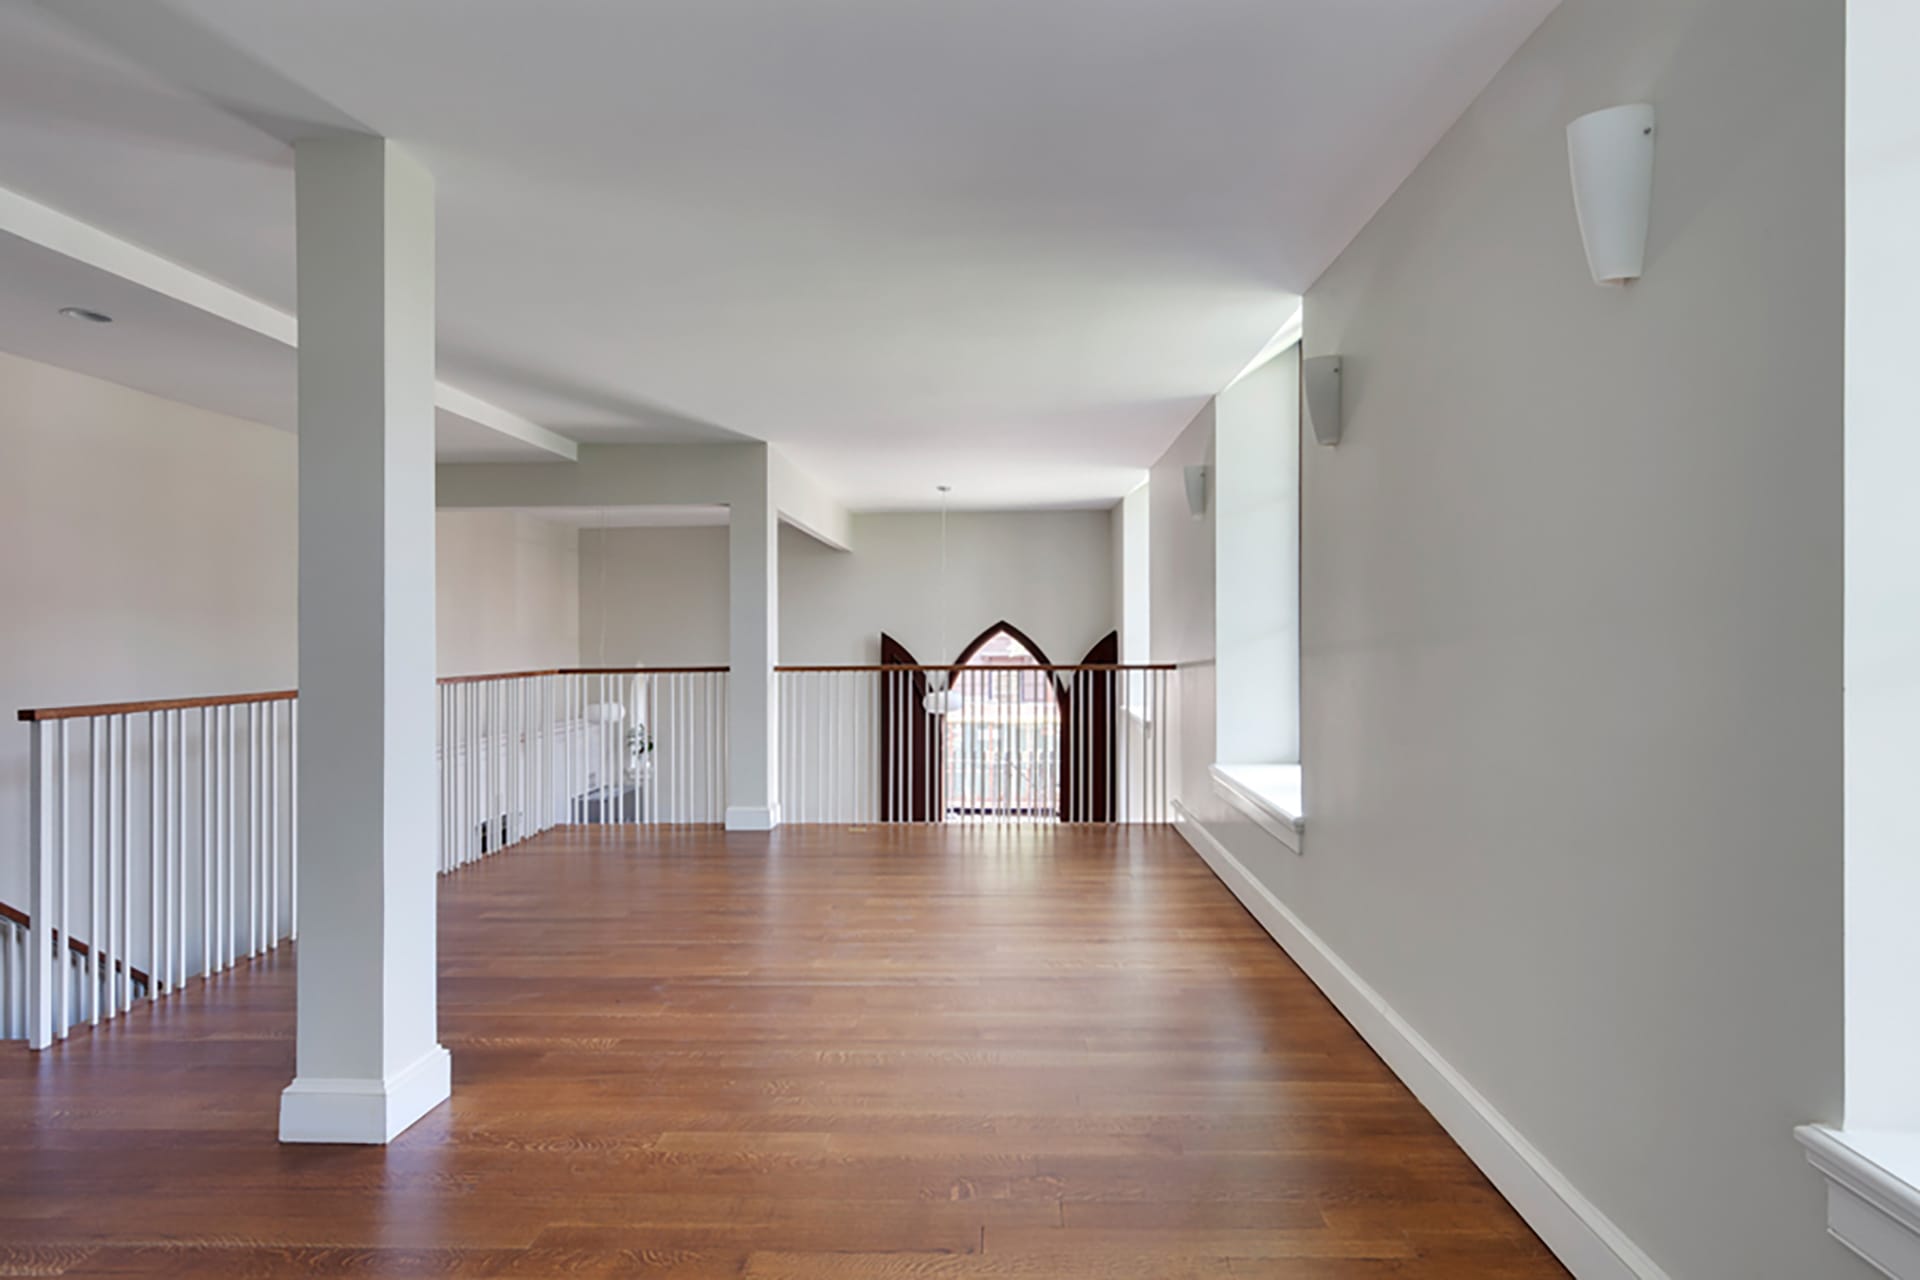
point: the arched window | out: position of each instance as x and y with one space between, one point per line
1002 757
1022 741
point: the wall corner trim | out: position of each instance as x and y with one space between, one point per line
1578 1233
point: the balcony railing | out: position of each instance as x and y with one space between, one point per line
162 834
528 751
162 837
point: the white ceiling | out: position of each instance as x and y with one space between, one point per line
1009 245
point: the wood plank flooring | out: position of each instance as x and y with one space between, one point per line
946 1052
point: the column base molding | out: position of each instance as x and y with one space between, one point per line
746 817
368 1112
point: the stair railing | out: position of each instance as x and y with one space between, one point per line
163 834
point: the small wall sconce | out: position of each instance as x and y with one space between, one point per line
1612 158
1197 489
1320 388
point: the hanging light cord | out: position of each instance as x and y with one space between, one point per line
600 645
944 490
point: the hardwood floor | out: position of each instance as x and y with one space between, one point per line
833 1052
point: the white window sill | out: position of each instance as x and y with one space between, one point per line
1873 1194
1267 793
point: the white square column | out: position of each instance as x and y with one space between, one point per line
753 622
369 1061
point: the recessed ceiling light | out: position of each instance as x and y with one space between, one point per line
82 313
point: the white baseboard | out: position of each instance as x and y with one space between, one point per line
748 817
368 1112
1583 1238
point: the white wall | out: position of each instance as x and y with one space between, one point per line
1047 572
508 587
1883 567
1181 569
150 554
1572 630
653 597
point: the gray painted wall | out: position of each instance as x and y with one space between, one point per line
1571 628
508 587
1048 572
149 553
653 597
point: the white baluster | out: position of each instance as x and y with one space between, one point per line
518 690
206 842
230 820
470 829
491 759
177 853
45 964
293 820
154 827
217 761
160 944
62 767
1162 744
256 828
450 765
273 825
467 752
115 951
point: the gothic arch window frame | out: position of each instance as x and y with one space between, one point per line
1019 637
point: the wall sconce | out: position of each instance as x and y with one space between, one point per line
1320 388
1197 489
1612 157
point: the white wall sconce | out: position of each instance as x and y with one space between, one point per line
1612 157
1320 388
1197 489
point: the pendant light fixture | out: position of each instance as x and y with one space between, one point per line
946 698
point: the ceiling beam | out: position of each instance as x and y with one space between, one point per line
83 242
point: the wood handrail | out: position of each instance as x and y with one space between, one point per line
645 671
587 671
1024 666
36 714
79 948
161 704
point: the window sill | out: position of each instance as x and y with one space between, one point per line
1267 793
1873 1194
